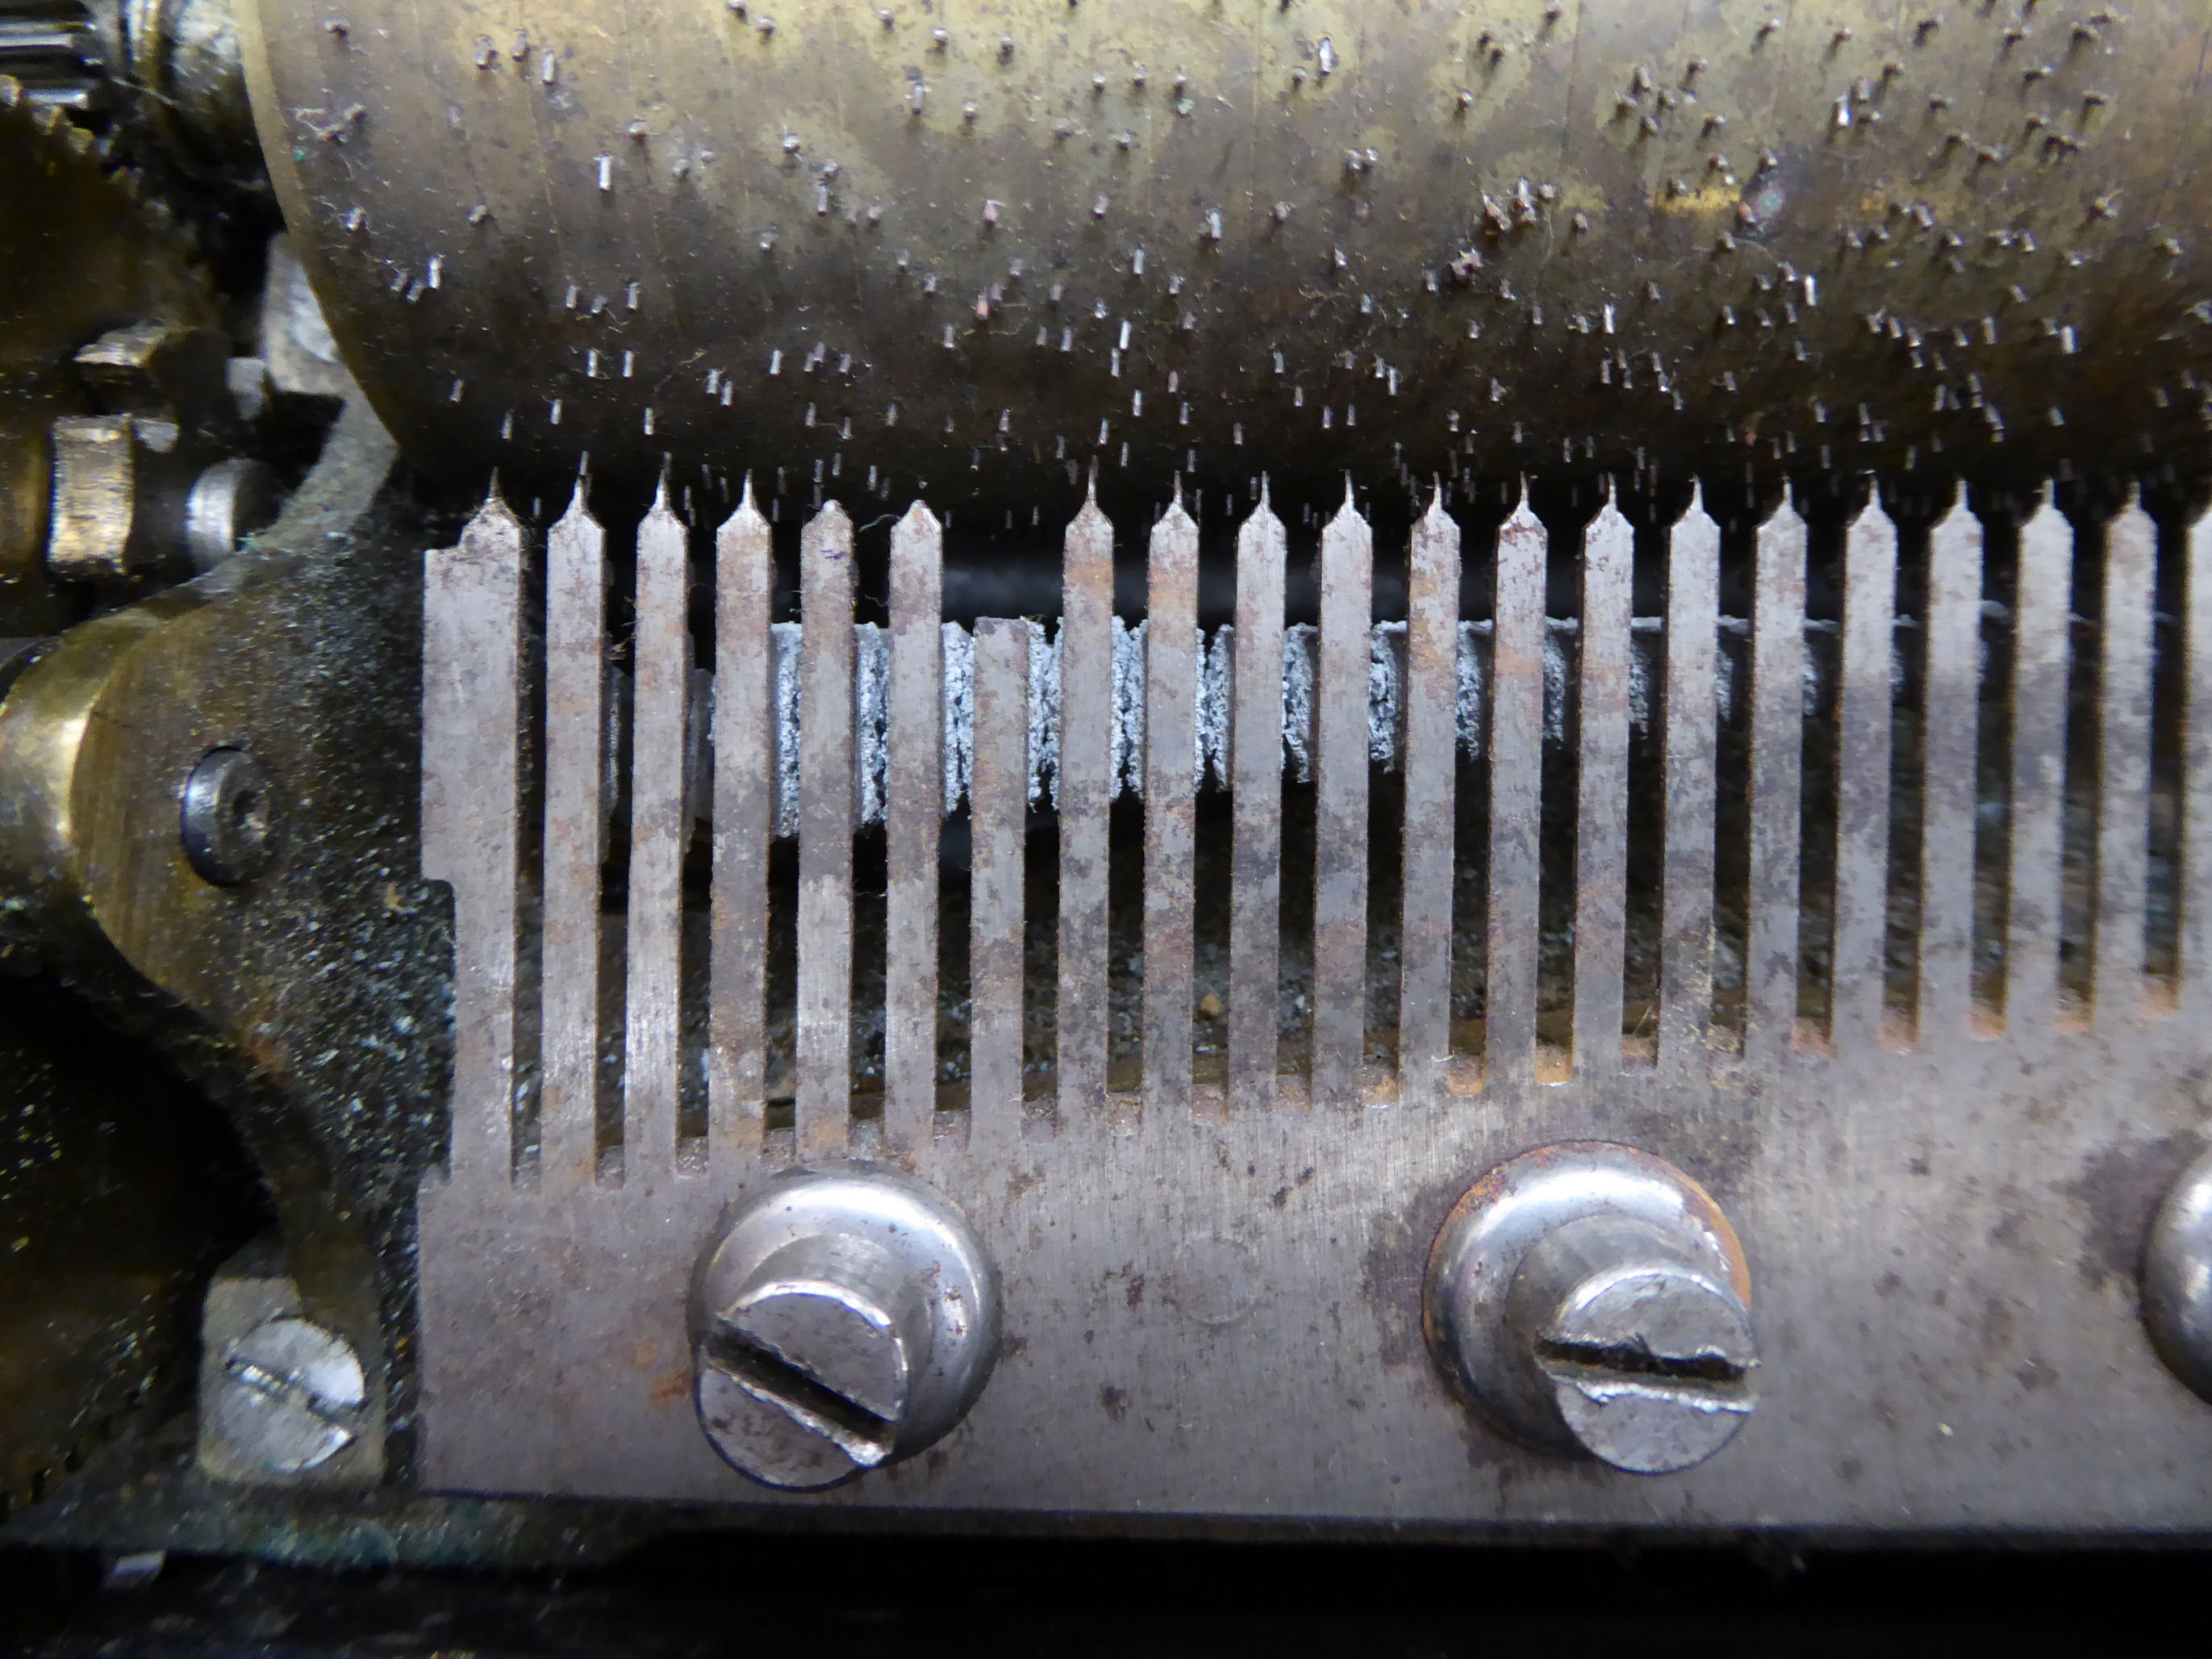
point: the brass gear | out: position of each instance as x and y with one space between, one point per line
86 253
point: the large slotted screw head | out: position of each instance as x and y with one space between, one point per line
841 1321
1590 1298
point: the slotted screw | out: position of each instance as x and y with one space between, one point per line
1589 1298
841 1321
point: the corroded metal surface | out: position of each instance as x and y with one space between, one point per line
743 788
914 801
1602 789
1516 755
308 1001
1952 701
1340 796
1084 795
1255 770
898 244
472 668
1937 1211
1424 946
573 843
998 814
1171 658
1776 804
1686 950
825 838
659 831
1862 768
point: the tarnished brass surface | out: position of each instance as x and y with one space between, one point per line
979 248
304 1000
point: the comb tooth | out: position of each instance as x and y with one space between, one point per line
743 726
822 1113
575 772
1516 738
913 811
1341 749
471 809
1424 943
2042 652
1691 739
1256 764
1171 644
2197 773
1777 747
2124 710
1863 784
1601 821
653 989
998 814
1952 701
1086 757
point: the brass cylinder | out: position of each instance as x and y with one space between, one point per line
973 251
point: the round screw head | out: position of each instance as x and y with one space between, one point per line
840 1321
1591 1299
292 1395
227 818
2177 1278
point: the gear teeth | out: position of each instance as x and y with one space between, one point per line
52 48
70 145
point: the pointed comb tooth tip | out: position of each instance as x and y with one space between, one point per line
745 500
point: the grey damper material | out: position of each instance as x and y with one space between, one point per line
1386 676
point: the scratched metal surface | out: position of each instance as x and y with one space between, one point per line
1213 1307
1223 1318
